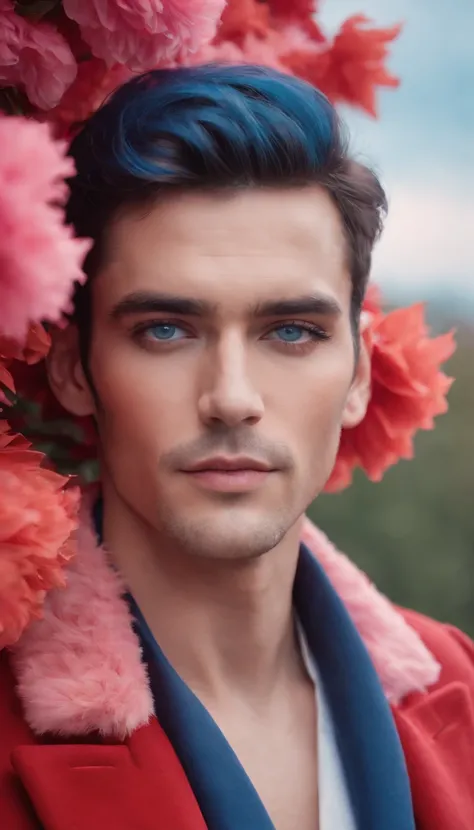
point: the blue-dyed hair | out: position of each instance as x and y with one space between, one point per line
211 127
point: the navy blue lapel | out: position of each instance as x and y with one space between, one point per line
370 748
225 794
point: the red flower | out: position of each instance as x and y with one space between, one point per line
349 69
285 35
373 300
38 514
34 349
93 84
408 391
241 18
301 12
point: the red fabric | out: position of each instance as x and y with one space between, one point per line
140 783
88 785
437 732
15 811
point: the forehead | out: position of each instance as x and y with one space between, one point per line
228 248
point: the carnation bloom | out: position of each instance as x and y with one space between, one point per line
255 43
40 257
296 10
351 67
243 17
144 33
38 514
35 57
33 350
94 82
283 34
251 50
408 391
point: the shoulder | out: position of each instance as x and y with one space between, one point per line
453 649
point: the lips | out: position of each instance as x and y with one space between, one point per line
229 475
229 465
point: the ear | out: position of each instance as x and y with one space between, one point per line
359 394
66 375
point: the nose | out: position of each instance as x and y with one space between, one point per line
228 396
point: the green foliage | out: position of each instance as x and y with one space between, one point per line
413 533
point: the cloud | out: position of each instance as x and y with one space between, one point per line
428 239
429 115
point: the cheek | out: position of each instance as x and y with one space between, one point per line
145 402
311 409
315 391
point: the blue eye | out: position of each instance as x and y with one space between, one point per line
163 331
290 334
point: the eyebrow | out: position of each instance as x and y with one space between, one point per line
147 302
314 304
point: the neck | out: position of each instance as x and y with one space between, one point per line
221 623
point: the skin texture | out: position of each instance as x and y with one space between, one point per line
233 380
226 383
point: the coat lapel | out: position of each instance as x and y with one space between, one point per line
138 784
437 735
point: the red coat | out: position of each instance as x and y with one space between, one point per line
85 782
139 784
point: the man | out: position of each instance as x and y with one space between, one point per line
218 346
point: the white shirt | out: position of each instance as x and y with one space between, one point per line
335 810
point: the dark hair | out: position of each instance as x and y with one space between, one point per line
211 127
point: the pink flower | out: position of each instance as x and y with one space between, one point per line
40 259
35 57
37 518
144 33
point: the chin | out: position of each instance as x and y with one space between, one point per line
229 538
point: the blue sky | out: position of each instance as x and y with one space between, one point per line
422 145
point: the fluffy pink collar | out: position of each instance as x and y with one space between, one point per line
79 669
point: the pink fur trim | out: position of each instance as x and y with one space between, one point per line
79 669
401 659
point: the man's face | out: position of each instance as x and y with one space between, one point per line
223 360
